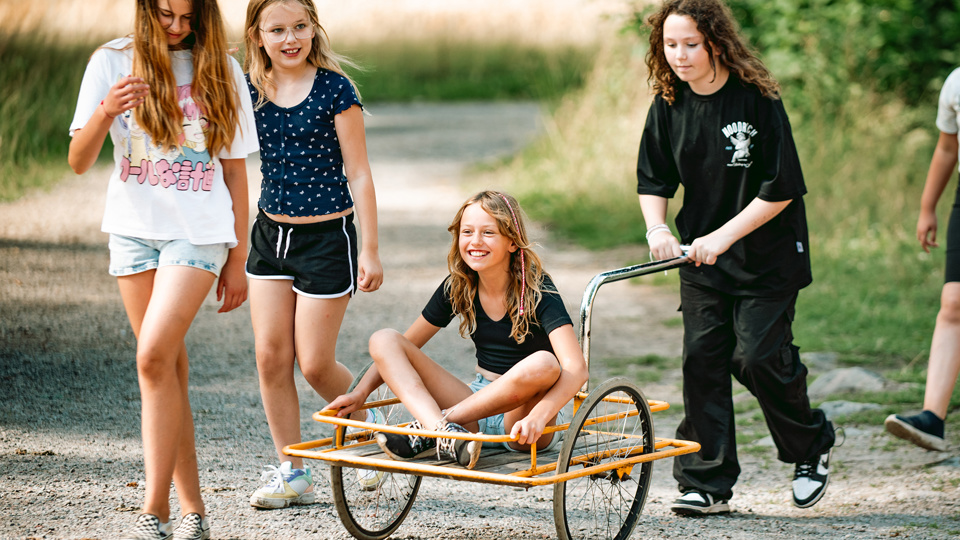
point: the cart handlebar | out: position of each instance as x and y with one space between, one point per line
586 305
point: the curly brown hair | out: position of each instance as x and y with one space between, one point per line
715 21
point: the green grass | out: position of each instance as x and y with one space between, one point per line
448 69
40 86
40 81
643 369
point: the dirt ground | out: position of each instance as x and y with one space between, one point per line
70 455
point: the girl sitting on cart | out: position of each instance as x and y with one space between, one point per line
529 363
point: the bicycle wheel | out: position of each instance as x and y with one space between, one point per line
373 512
612 424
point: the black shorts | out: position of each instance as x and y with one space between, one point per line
953 242
320 258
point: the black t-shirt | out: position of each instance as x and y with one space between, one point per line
726 149
496 350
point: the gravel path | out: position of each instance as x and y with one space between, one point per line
70 456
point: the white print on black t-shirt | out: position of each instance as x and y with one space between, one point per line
740 134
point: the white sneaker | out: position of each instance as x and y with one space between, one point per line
369 479
285 487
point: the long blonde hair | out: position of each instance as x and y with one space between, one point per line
526 268
257 63
212 88
715 21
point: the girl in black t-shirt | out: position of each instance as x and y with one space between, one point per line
717 127
529 361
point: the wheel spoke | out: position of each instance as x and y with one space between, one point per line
604 432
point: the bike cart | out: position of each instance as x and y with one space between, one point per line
601 473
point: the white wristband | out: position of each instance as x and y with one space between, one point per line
655 229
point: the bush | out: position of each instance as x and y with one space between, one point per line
825 49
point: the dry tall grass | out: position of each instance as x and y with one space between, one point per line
525 21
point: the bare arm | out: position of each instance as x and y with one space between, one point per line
941 168
232 285
353 146
87 142
572 376
662 243
706 249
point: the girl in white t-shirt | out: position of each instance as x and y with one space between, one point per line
176 212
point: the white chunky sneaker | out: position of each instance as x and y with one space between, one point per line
285 487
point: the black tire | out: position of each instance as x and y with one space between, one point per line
373 514
607 504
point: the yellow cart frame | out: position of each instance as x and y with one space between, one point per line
601 473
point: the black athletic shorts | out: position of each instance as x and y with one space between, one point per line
953 241
320 258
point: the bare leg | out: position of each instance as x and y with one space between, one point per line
317 326
944 364
519 389
272 307
514 394
161 305
425 387
422 385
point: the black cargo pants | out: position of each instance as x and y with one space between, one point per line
750 338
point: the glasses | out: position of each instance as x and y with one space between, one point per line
278 34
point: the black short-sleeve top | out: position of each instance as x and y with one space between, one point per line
727 149
300 155
496 350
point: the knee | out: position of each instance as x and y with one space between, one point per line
273 364
949 306
543 370
153 365
382 342
759 364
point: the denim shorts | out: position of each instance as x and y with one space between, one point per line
493 425
129 255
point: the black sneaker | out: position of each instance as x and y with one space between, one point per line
917 429
698 503
464 451
810 480
403 447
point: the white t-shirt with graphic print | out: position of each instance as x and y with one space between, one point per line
164 194
948 108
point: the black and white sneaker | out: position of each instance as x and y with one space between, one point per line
918 429
698 503
403 447
192 527
810 480
149 527
466 452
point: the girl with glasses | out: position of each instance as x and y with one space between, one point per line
304 262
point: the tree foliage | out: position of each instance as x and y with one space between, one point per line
826 49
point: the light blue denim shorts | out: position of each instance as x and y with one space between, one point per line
493 425
129 255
